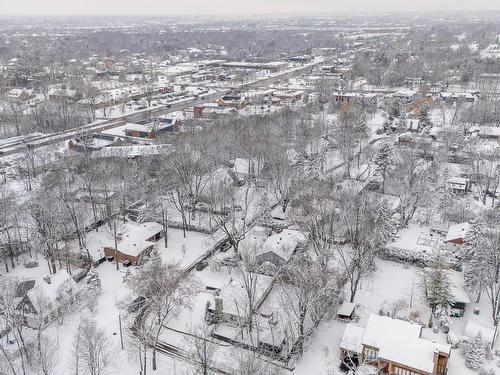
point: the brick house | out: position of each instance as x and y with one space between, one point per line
135 241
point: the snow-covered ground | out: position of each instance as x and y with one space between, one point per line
184 251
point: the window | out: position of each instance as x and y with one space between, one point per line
402 371
370 353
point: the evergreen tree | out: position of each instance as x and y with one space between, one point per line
383 161
93 280
444 192
424 119
93 288
475 353
473 238
438 285
402 123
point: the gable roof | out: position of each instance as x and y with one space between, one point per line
457 232
283 244
49 293
399 341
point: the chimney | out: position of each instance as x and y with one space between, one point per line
219 304
47 279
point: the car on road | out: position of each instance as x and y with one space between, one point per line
202 265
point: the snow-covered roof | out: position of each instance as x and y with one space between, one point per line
399 341
457 231
352 338
244 166
457 287
457 180
346 309
233 294
134 238
47 293
473 328
284 243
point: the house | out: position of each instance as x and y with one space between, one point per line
452 97
145 131
95 143
229 301
279 247
134 242
354 97
235 101
413 81
19 95
457 233
288 96
244 168
458 185
394 346
64 94
405 95
487 132
48 298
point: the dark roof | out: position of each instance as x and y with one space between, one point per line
23 287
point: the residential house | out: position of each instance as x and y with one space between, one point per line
19 95
394 346
244 168
453 97
487 132
405 95
229 302
279 247
457 234
412 82
288 96
134 242
354 97
458 185
48 299
64 94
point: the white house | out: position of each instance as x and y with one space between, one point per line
47 299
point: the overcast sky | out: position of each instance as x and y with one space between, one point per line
176 7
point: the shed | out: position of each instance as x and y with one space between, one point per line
346 311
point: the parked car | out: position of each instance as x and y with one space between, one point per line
224 247
202 265
127 263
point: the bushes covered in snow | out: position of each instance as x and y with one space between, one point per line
416 258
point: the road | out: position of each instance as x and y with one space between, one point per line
144 114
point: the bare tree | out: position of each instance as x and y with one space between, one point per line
166 290
307 294
204 347
92 350
365 227
408 179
